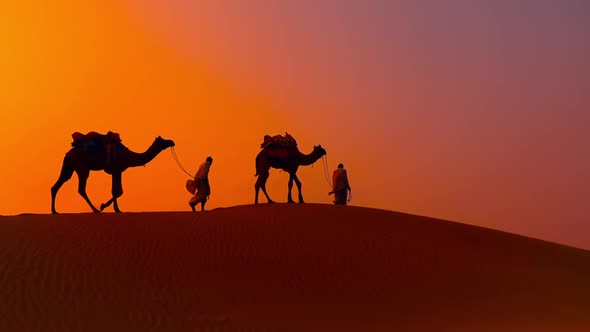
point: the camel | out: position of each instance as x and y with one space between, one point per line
113 158
287 159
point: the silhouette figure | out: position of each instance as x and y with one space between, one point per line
95 152
202 187
341 187
288 159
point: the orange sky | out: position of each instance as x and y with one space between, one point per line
475 114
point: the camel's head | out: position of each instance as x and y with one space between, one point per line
319 150
163 143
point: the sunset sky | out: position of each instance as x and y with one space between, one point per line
468 110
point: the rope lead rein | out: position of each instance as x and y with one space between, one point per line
326 172
178 162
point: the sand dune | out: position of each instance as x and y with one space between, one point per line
283 267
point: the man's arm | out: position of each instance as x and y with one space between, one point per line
346 178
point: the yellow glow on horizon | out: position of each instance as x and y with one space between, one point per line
88 67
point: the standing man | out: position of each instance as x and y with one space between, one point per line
202 184
340 185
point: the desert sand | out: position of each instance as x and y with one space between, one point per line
283 267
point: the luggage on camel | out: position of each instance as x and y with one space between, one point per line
93 138
94 142
278 141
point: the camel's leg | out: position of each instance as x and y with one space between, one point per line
116 191
203 205
116 206
298 183
107 204
261 184
263 187
263 172
257 188
289 197
82 179
65 174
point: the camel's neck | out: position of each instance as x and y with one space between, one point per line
308 159
140 159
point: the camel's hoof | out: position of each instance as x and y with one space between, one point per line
96 211
301 202
54 212
103 206
270 202
291 202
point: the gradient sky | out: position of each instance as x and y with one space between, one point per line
474 111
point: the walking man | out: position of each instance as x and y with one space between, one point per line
341 186
202 183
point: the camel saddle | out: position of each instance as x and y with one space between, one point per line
278 142
93 142
93 136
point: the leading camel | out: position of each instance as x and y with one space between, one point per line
113 158
288 159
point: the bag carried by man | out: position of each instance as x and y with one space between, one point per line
191 186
